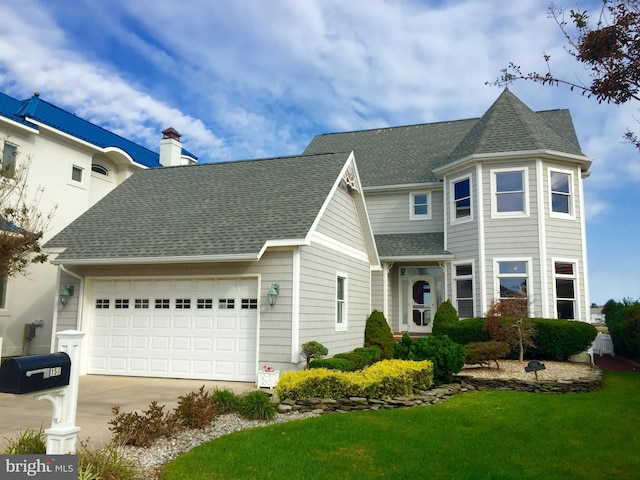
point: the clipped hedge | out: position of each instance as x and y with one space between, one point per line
486 352
385 379
340 364
554 339
466 331
559 339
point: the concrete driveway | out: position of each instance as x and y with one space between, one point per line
97 394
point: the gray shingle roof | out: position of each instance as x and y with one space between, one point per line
220 209
409 154
411 245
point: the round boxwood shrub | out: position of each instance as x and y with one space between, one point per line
378 334
447 356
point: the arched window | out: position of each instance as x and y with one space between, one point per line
96 167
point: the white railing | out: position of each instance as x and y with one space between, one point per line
603 345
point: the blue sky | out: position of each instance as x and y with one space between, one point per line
250 78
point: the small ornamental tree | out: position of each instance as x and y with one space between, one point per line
378 334
505 324
313 349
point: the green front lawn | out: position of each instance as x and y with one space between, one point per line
480 435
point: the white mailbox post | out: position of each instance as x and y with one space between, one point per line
63 435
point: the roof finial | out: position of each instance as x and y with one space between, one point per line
36 94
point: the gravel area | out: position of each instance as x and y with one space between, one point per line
513 369
152 459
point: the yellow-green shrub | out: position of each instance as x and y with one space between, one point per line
385 379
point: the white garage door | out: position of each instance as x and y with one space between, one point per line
193 328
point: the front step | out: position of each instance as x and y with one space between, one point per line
397 336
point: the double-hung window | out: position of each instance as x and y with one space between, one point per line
461 199
561 198
463 277
513 281
9 156
565 283
341 302
509 192
420 206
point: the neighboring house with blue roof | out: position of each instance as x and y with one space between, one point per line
476 210
76 163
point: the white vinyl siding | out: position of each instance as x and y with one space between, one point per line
391 213
340 219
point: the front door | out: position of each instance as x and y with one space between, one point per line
422 305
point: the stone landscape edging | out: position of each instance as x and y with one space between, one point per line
461 384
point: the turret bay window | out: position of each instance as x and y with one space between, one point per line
513 280
561 198
565 283
509 192
461 199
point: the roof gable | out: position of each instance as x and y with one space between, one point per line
218 211
408 155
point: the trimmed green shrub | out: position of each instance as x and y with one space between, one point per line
384 379
445 315
559 339
378 334
446 355
466 331
312 350
486 352
402 348
340 364
225 400
257 405
361 357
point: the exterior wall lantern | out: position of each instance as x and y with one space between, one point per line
272 294
66 294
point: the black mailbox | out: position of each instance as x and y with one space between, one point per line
35 373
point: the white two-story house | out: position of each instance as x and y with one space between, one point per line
474 211
76 163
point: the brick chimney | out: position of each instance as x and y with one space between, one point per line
170 148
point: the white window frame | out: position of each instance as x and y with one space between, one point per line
341 303
572 206
529 275
452 200
11 171
575 277
457 277
4 293
412 205
494 193
82 175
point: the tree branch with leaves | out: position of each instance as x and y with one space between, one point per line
22 224
608 45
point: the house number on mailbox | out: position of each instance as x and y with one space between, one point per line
46 372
